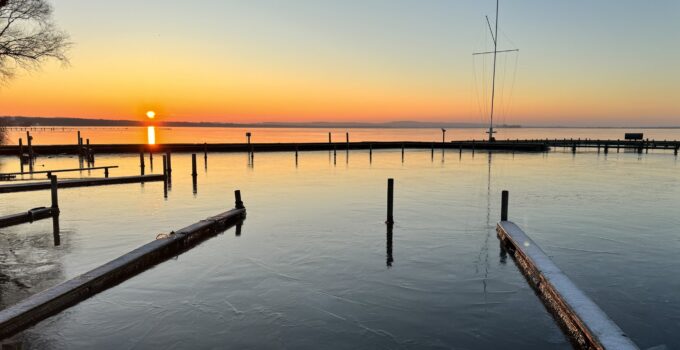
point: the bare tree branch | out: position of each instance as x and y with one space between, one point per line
28 36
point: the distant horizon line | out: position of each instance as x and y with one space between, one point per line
24 121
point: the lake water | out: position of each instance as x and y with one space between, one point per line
314 267
113 135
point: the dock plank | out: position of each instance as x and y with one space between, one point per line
588 326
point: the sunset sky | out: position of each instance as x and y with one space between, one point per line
582 62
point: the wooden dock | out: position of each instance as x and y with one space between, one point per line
53 300
37 186
585 323
279 147
50 172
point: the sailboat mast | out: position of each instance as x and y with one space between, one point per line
493 84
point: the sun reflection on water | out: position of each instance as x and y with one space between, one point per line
151 135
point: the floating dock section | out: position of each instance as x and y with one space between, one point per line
51 301
37 186
29 216
586 324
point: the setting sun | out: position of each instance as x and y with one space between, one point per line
151 114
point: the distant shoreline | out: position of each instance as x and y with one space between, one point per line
10 121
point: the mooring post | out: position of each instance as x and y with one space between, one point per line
606 149
141 163
370 152
21 147
504 205
168 164
676 150
432 151
193 165
347 137
106 172
151 160
205 152
573 148
80 144
29 142
390 201
330 141
239 202
55 198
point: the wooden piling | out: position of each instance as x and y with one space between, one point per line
370 153
80 144
141 163
237 200
168 163
21 147
390 201
347 137
54 186
194 173
29 143
504 205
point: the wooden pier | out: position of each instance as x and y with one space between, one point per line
37 186
277 147
50 172
53 300
587 326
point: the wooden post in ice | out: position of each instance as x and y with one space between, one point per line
141 163
168 164
194 173
29 142
390 201
55 198
238 201
80 144
504 205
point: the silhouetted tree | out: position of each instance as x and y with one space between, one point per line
28 36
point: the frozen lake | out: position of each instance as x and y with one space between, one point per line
314 266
